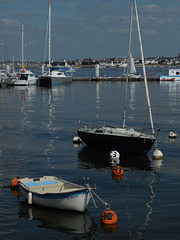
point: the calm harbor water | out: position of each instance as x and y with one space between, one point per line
37 126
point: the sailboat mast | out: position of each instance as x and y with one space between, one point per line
143 64
128 68
22 51
49 35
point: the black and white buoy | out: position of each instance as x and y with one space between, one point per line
114 157
172 134
114 154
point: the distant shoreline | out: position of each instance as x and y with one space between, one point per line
93 66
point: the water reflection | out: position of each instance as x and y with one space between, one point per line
136 228
52 107
138 182
97 87
25 91
81 224
157 164
95 158
51 129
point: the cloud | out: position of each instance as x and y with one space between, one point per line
150 32
26 13
9 22
151 8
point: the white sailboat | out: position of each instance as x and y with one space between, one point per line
54 75
132 73
123 139
25 77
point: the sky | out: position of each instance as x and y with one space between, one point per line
88 29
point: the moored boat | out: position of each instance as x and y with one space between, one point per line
167 79
53 76
174 75
132 73
123 139
25 78
55 192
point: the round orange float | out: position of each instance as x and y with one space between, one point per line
117 171
108 217
14 182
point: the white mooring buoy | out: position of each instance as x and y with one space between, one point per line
77 139
173 134
157 154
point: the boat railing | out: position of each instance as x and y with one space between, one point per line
91 125
65 186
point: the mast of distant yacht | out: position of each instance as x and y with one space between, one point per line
49 35
22 50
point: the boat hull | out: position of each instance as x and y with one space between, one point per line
50 80
107 139
25 82
73 200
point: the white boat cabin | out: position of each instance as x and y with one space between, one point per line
174 72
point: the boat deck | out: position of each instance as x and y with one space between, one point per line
43 186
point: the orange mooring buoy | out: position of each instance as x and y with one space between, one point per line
117 171
14 182
108 217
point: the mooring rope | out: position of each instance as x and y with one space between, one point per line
106 205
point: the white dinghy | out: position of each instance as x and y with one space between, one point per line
54 192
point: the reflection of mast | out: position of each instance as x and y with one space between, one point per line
148 205
97 99
50 147
132 95
150 201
